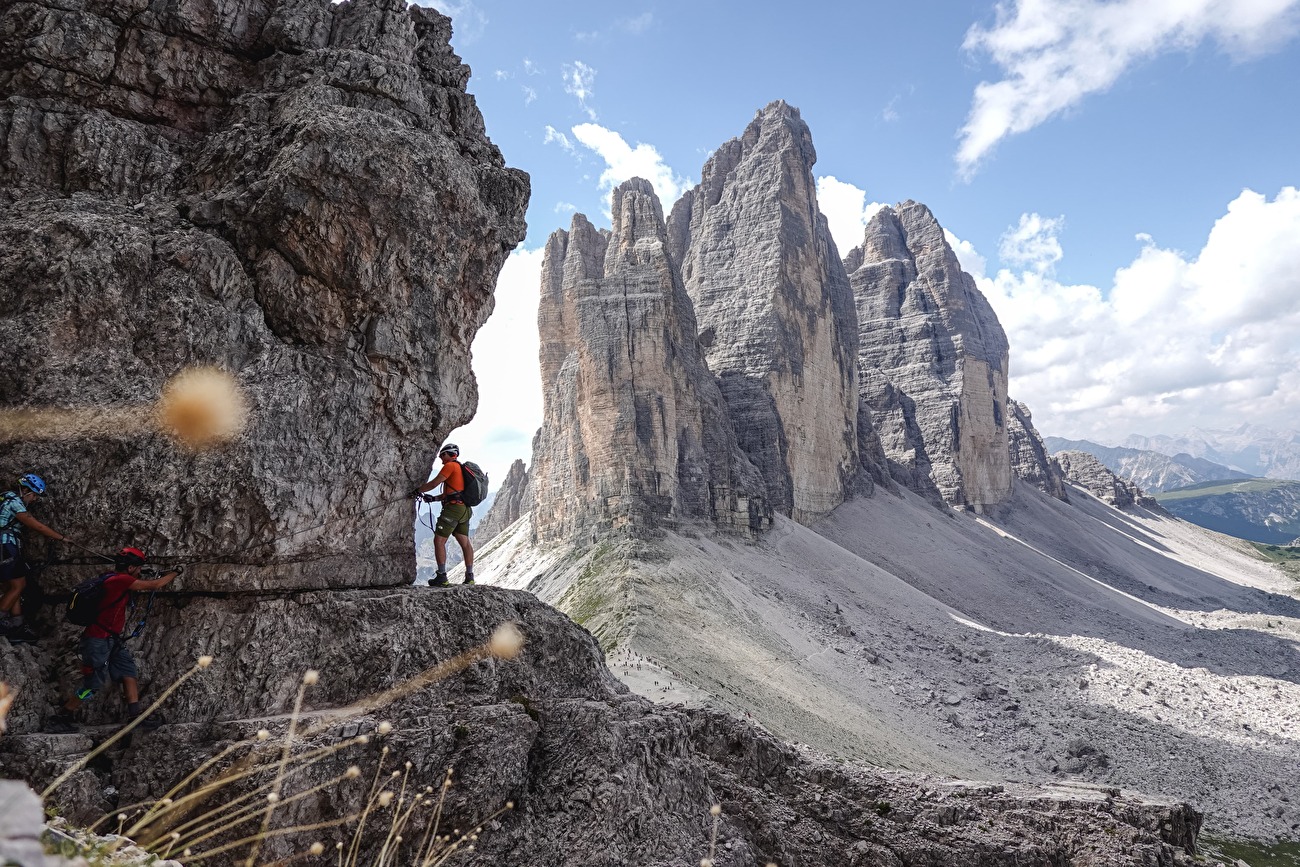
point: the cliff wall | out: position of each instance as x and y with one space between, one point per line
299 192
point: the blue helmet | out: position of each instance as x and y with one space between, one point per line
33 483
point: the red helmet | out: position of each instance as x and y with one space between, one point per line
131 557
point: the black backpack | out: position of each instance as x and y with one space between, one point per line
476 483
87 599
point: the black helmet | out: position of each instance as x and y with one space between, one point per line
450 449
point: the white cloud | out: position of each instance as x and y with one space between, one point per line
468 21
554 135
967 256
565 207
622 161
639 24
847 211
501 74
1175 342
531 68
1033 244
530 94
1054 53
509 378
579 79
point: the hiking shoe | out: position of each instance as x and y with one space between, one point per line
21 635
61 724
149 723
469 579
439 580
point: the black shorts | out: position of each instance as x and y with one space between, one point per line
12 564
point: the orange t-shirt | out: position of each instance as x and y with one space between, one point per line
451 478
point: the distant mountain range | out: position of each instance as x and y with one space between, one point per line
1249 448
1261 510
1213 495
1150 470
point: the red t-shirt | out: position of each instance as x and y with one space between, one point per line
112 612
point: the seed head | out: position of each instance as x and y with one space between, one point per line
397 839
363 739
384 727
510 805
188 852
506 641
352 772
408 766
715 810
310 677
317 848
272 798
121 817
385 798
263 734
339 845
706 862
204 661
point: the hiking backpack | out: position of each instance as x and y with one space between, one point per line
476 483
87 599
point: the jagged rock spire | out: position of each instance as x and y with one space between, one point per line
635 434
932 360
775 310
1029 458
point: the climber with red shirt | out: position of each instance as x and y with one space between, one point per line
104 654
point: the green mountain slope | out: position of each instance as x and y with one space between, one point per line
1260 510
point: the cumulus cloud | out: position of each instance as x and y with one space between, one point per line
554 135
1033 244
1174 342
971 261
509 378
847 211
622 161
1054 53
579 79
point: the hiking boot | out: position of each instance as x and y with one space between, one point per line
62 723
21 635
149 723
469 578
439 580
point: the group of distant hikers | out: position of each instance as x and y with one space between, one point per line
100 604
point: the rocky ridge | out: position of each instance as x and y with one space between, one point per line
635 434
775 311
596 774
507 506
299 192
1151 471
932 360
1029 458
1087 472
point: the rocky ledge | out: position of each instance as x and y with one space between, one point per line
595 774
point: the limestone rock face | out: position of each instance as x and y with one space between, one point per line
635 433
552 731
1029 458
775 311
1087 472
932 360
509 505
299 192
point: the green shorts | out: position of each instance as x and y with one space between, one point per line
454 520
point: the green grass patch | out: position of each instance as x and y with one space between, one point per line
1254 854
1228 486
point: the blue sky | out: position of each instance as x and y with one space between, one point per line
1119 176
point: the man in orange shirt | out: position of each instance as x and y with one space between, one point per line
454 519
104 655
